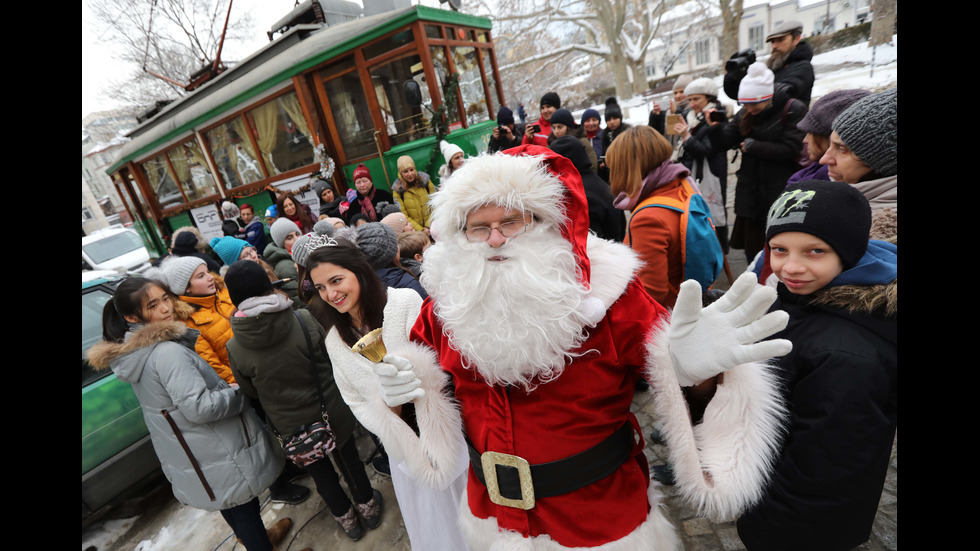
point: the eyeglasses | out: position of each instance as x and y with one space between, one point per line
507 229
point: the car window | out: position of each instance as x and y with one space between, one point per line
92 304
113 246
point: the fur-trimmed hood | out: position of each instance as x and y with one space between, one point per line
140 337
875 300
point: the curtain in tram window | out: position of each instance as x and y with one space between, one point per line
291 104
247 167
179 161
205 183
266 117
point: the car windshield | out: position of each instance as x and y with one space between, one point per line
113 246
92 305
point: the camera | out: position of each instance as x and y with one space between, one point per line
740 60
718 116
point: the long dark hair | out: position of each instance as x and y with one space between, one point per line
127 301
306 224
373 295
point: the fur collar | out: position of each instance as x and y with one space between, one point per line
614 265
104 353
861 299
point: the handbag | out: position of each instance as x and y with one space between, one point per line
710 186
312 442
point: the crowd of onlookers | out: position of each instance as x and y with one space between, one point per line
815 214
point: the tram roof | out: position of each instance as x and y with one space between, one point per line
299 49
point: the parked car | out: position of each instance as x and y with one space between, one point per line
117 455
114 248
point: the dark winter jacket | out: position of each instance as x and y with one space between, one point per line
271 362
579 134
605 220
609 135
398 278
176 388
255 234
840 385
494 146
331 209
772 149
697 148
355 205
795 78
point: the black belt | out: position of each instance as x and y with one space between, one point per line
515 483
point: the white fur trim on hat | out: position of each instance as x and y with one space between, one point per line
518 182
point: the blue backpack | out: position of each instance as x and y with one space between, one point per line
701 252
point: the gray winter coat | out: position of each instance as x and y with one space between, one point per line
223 435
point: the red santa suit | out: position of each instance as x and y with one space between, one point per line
720 466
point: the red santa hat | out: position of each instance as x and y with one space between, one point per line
528 178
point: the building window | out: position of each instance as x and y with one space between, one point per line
821 25
651 70
701 52
87 215
757 37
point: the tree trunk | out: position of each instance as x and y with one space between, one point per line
731 18
883 24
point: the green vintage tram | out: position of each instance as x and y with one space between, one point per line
366 91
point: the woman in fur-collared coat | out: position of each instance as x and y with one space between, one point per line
212 447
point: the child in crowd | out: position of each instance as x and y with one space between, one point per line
840 290
411 245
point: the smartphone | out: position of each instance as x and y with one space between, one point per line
718 116
536 128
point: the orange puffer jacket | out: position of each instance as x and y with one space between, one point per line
210 316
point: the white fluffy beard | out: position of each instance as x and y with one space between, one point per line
515 321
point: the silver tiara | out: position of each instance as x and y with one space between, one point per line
316 241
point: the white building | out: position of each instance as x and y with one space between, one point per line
102 135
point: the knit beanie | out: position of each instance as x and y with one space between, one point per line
449 149
405 162
869 127
319 185
229 210
185 243
305 243
820 117
378 242
246 279
280 229
613 111
552 99
505 116
361 171
590 114
833 211
563 116
757 86
682 82
178 271
703 85
272 212
228 248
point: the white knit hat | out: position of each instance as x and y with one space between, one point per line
757 86
449 149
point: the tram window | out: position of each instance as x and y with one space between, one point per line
281 133
403 122
162 181
442 73
233 153
351 115
192 171
491 84
432 31
470 84
386 45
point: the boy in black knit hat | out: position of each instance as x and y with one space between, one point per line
840 290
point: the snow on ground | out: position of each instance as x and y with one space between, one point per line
840 69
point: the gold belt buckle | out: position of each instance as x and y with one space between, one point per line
489 461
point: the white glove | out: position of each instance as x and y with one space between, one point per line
399 385
706 342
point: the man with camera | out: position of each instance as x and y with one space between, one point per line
538 131
789 61
507 134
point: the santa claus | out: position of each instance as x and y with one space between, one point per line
537 332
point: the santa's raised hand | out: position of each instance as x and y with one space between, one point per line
704 342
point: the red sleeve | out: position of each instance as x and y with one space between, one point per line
427 329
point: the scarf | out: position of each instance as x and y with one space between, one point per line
664 174
367 207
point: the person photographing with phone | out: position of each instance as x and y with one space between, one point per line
507 134
537 132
